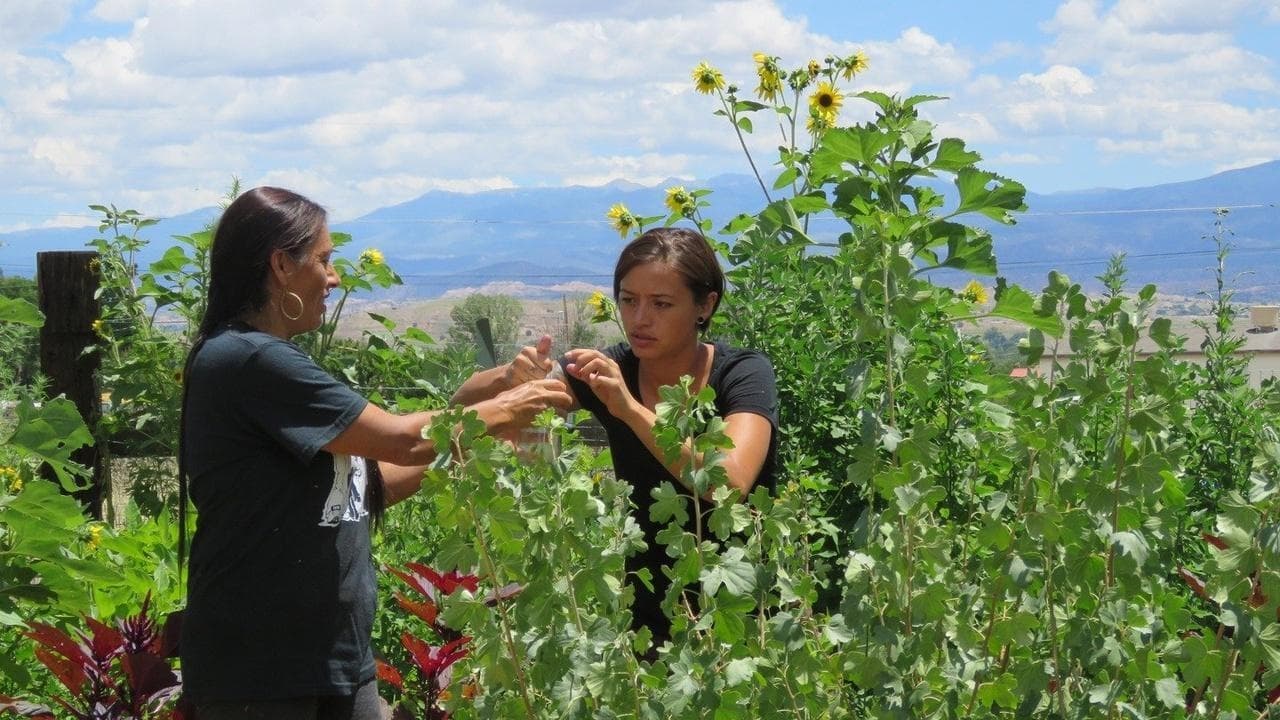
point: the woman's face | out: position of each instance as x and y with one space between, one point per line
658 310
312 280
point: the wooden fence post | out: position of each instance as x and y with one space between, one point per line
67 284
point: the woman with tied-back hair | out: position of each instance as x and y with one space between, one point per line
668 285
288 469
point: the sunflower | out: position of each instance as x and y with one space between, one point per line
814 68
818 123
707 79
770 87
596 301
100 328
826 101
975 293
602 308
95 536
679 200
622 219
372 256
10 479
854 64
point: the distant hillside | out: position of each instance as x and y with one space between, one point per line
539 242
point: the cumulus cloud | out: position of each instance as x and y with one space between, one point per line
23 22
160 102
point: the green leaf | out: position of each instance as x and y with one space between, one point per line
786 177
857 146
1017 304
668 504
51 433
1170 693
811 203
1132 544
973 254
953 157
989 194
740 670
21 312
745 124
730 571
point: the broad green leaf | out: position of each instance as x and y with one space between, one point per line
1170 693
1132 544
989 194
667 504
729 570
952 156
811 203
857 146
786 177
51 433
1017 304
21 312
740 670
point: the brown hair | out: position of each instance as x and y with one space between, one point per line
687 252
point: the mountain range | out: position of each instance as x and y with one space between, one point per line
544 241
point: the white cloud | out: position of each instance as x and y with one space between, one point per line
120 10
164 102
1060 81
25 21
1021 159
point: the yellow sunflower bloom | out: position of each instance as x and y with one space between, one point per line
707 79
814 68
10 479
975 293
818 123
826 101
372 256
770 87
95 537
601 307
622 219
854 64
679 200
596 301
100 328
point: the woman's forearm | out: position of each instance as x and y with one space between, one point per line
482 385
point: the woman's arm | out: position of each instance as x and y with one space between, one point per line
400 482
750 433
742 463
532 363
397 439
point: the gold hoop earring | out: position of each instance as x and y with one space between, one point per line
302 308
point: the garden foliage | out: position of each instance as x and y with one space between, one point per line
946 541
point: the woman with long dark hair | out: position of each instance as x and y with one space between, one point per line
287 468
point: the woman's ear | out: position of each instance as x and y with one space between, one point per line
281 266
708 304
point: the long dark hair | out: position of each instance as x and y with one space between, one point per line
685 250
251 229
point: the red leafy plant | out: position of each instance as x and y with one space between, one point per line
423 696
110 673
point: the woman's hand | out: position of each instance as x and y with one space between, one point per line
524 401
604 377
533 363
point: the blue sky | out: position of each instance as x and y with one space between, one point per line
157 104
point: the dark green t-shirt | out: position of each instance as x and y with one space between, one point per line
281 590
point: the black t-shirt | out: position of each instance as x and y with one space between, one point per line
281 589
743 381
